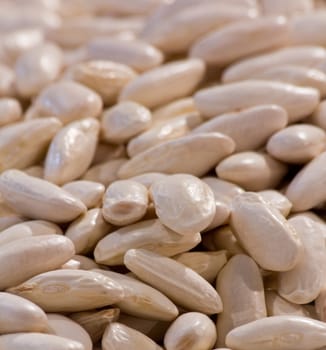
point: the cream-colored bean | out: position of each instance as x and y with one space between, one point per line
69 290
181 284
119 336
277 200
141 300
305 190
124 121
27 257
71 151
149 234
66 100
171 80
95 321
174 109
191 331
206 264
10 111
86 263
254 171
307 56
288 8
71 265
87 230
250 128
8 217
296 75
67 328
36 171
39 199
240 39
20 315
223 193
299 102
125 202
318 117
192 154
36 68
105 77
177 32
277 306
136 54
183 203
241 288
303 283
37 341
290 332
297 143
148 179
23 144
89 192
7 81
264 233
163 131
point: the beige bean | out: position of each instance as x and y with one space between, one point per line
163 131
136 54
20 315
8 217
290 7
307 56
299 102
148 179
27 257
7 81
291 332
191 331
124 121
305 191
193 154
277 306
104 77
39 199
10 111
174 109
24 143
86 263
223 193
171 80
318 118
269 239
70 290
71 264
36 171
250 128
277 200
105 173
16 43
89 192
71 151
37 341
296 75
66 100
241 288
149 234
240 39
303 283
254 171
308 29
177 32
181 284
32 74
87 230
141 300
297 143
125 202
183 203
119 336
95 322
67 328
320 305
206 264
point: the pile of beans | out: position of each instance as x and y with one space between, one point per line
162 174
